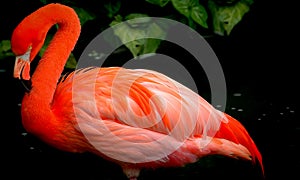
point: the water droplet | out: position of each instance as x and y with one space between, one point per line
281 113
237 94
93 53
259 119
31 148
233 108
24 134
240 110
292 111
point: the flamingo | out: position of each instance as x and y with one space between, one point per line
137 118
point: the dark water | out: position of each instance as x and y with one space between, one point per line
259 63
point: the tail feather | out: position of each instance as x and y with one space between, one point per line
235 132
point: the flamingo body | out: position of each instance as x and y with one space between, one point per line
137 118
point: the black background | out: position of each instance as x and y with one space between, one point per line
259 61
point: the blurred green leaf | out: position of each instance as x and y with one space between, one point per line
225 2
137 19
184 6
199 15
112 8
71 62
5 49
43 1
225 18
5 45
135 33
84 15
160 3
192 10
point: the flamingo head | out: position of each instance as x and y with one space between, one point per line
26 42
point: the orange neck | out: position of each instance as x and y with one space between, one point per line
37 116
45 77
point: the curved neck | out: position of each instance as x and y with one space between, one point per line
47 73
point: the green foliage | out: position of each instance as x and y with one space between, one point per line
225 13
112 8
226 17
5 50
84 15
160 3
133 32
216 16
192 10
71 62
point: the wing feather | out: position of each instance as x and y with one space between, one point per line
115 104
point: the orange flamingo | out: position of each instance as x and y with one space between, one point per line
135 118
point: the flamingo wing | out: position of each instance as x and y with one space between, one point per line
140 116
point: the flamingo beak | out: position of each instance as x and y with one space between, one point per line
22 66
